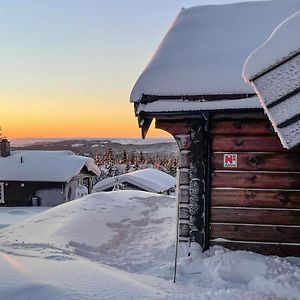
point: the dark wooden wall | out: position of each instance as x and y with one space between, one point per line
256 205
20 193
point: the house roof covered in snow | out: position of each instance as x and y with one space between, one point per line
151 180
274 71
46 166
204 51
283 43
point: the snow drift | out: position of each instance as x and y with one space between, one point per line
120 245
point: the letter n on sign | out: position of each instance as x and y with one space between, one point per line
230 160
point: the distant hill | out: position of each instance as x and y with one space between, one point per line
89 147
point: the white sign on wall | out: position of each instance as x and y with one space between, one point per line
230 160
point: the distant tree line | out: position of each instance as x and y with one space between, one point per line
114 164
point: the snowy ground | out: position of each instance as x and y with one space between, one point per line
120 245
12 215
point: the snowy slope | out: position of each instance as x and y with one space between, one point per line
120 245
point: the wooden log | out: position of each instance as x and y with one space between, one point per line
184 230
184 176
255 198
242 127
184 195
184 159
183 142
276 234
184 213
266 249
256 180
233 144
174 127
255 216
260 162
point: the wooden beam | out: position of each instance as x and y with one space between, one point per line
266 249
289 162
277 234
255 216
240 127
256 180
255 198
223 143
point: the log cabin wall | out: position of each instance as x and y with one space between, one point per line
255 205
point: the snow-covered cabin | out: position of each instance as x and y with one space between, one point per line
149 180
45 178
238 187
274 71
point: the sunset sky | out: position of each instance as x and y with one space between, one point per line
68 66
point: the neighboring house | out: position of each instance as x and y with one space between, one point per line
274 71
45 178
237 186
149 180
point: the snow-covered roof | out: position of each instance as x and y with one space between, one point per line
181 106
204 51
151 180
283 43
274 71
46 166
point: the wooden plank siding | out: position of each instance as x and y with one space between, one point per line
256 205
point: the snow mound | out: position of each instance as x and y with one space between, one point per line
222 268
120 245
125 229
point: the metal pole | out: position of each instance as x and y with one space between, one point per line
177 232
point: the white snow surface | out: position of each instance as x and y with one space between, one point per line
180 105
12 215
204 51
120 245
47 166
283 43
150 180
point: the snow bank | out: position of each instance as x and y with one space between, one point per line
283 43
120 245
204 51
117 228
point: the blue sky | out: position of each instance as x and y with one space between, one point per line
59 55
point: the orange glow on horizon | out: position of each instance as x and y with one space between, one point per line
69 115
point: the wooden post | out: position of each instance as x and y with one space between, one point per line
191 136
199 187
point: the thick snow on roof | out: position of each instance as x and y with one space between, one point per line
151 180
180 106
283 43
46 166
204 51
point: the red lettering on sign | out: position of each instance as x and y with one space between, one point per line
230 160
